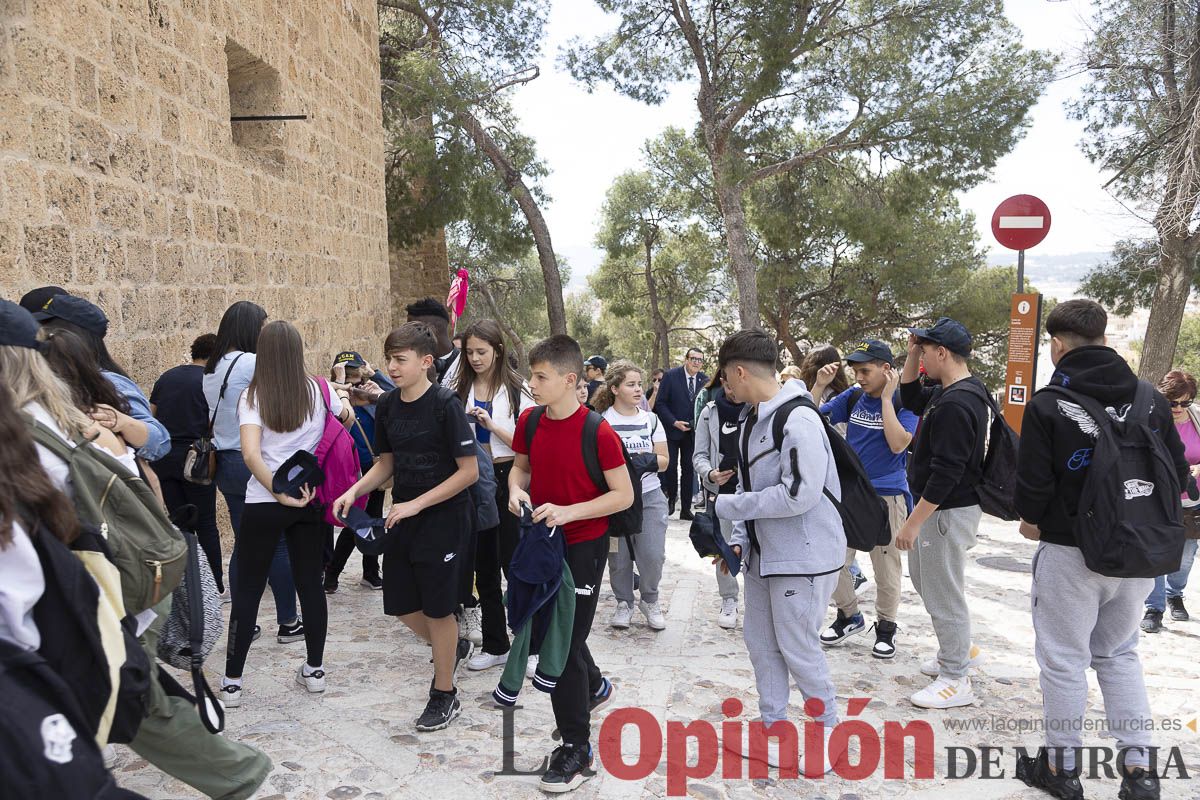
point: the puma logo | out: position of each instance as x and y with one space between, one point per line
586 590
448 557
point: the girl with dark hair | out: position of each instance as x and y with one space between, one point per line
618 401
228 372
86 320
281 413
494 396
818 357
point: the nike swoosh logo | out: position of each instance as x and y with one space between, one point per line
447 558
728 427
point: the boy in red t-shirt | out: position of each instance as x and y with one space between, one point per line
562 493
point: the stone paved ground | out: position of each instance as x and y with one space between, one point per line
357 740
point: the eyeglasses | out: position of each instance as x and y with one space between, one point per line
1182 403
696 359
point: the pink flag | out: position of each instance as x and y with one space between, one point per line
456 300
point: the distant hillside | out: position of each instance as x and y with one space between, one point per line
1057 275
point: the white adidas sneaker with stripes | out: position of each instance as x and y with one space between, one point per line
945 693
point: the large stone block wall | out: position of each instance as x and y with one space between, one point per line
123 179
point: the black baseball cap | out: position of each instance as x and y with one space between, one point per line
18 328
349 358
34 299
599 362
872 350
75 310
371 534
297 472
949 334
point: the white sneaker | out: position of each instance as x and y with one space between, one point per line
729 612
976 655
945 693
653 614
110 756
474 620
231 695
622 616
313 680
531 667
481 661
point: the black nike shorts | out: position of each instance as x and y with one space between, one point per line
422 567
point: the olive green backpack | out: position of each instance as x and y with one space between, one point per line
149 552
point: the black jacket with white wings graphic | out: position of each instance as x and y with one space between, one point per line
1057 437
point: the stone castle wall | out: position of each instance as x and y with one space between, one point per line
123 179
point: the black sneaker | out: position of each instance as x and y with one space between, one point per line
601 697
1036 772
440 711
860 582
372 581
331 583
885 639
257 633
1152 622
684 515
291 633
1139 785
1178 610
466 648
570 766
842 628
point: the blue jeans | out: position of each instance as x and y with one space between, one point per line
1173 585
232 477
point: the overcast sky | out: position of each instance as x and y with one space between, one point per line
588 139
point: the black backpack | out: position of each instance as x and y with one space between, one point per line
998 484
864 513
624 523
1130 522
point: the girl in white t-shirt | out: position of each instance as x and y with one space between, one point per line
618 400
281 412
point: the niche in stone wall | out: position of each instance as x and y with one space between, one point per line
254 91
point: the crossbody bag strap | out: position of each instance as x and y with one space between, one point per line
220 395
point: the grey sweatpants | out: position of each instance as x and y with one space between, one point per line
1082 619
727 584
650 549
782 630
936 565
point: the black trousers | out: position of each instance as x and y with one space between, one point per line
304 530
337 555
178 492
493 553
581 677
677 481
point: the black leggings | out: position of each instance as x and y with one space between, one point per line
493 553
304 530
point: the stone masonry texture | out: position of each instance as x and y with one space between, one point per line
123 179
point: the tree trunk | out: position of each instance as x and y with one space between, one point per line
555 310
662 348
745 275
1166 311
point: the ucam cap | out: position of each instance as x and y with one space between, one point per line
949 334
75 310
350 358
871 350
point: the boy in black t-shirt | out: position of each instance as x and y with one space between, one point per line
427 449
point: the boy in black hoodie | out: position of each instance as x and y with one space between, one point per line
1082 618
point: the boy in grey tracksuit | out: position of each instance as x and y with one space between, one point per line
786 530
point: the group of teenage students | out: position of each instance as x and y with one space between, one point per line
920 432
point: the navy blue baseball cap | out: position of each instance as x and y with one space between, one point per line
599 362
871 350
370 533
705 533
350 358
75 310
297 472
33 300
18 328
949 334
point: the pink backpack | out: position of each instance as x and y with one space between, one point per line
338 458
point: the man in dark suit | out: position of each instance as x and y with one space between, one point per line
675 406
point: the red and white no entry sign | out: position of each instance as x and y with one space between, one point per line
1021 222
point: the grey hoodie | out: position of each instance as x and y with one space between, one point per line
798 529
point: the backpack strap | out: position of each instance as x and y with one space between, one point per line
853 401
591 449
779 421
531 426
1090 405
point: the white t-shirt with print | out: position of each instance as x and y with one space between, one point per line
640 432
277 447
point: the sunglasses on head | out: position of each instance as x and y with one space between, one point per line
1182 403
